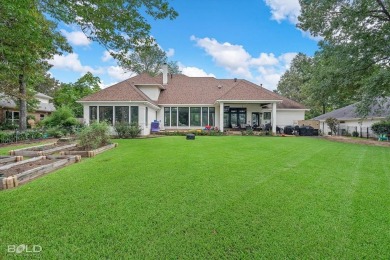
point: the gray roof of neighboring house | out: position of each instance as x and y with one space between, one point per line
43 107
349 112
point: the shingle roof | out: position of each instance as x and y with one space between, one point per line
349 112
7 102
182 89
122 91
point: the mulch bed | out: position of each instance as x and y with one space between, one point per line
47 147
364 141
27 166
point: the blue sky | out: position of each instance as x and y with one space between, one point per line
251 39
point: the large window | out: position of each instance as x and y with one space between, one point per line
92 113
146 116
134 114
212 116
121 114
105 114
234 116
195 116
205 116
186 116
174 116
183 116
167 116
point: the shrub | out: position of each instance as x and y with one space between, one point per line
355 134
332 124
94 135
382 127
62 118
134 130
55 132
126 130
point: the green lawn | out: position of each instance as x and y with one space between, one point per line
215 197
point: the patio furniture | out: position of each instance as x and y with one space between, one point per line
383 137
234 126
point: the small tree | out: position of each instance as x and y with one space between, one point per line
332 123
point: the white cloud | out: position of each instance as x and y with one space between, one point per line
266 68
284 10
106 56
195 72
232 57
170 52
118 73
72 62
77 38
103 85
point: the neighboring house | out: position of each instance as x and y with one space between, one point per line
9 111
351 121
179 102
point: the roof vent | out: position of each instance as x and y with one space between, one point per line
235 79
219 86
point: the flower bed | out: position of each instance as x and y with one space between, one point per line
14 174
4 160
88 153
41 150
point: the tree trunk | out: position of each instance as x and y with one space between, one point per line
323 108
22 103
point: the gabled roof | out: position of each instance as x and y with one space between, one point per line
122 91
349 112
186 90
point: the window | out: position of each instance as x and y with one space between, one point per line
267 115
106 114
92 113
121 114
41 116
174 116
167 116
195 116
212 116
146 116
183 116
12 117
134 114
205 119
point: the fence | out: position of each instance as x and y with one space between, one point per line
357 131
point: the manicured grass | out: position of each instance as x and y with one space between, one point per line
215 197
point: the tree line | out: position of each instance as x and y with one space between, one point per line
352 63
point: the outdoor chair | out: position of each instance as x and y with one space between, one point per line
383 137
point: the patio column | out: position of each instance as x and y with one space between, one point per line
274 118
221 110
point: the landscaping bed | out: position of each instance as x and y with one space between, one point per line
356 140
4 160
13 174
88 152
45 149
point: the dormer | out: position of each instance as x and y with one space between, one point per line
152 91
